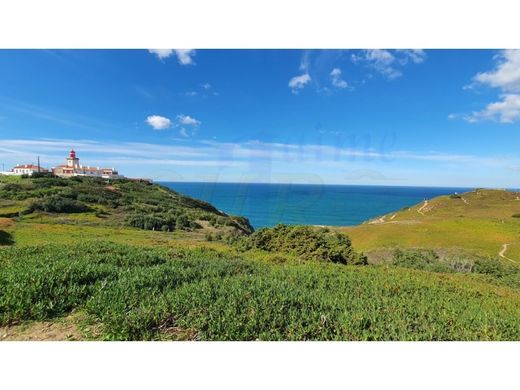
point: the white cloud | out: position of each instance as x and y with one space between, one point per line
415 55
506 75
506 110
188 120
158 122
337 81
299 82
161 53
181 121
381 61
185 56
206 85
387 63
305 62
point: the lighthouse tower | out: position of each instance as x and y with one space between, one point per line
72 160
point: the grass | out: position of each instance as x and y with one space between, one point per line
482 225
127 283
136 294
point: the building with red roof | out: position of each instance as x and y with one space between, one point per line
74 168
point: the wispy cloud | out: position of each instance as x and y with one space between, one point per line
242 156
388 63
188 120
61 117
297 83
184 56
336 79
161 53
204 90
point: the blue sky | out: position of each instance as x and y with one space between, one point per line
386 117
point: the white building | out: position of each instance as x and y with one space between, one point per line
25 169
74 168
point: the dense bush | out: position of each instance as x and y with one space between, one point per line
305 242
455 196
39 175
516 215
160 221
57 204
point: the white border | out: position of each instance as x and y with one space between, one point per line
258 24
265 24
258 365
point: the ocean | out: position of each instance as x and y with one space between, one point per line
332 205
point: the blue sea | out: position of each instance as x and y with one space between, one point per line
333 205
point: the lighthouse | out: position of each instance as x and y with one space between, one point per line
72 160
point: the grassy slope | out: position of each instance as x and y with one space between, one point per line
111 204
140 293
480 224
161 285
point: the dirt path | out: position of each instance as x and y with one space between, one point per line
464 200
503 251
420 210
379 220
65 328
392 217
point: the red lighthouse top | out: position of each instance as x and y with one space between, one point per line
72 154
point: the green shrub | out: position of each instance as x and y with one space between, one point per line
516 215
419 259
305 242
455 196
57 204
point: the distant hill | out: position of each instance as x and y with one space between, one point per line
481 221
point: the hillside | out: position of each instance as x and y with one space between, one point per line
480 222
84 259
92 202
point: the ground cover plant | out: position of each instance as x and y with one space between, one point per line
143 293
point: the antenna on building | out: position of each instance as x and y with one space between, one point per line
38 164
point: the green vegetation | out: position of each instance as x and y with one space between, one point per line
131 260
124 202
137 293
480 222
495 271
57 204
305 243
5 238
